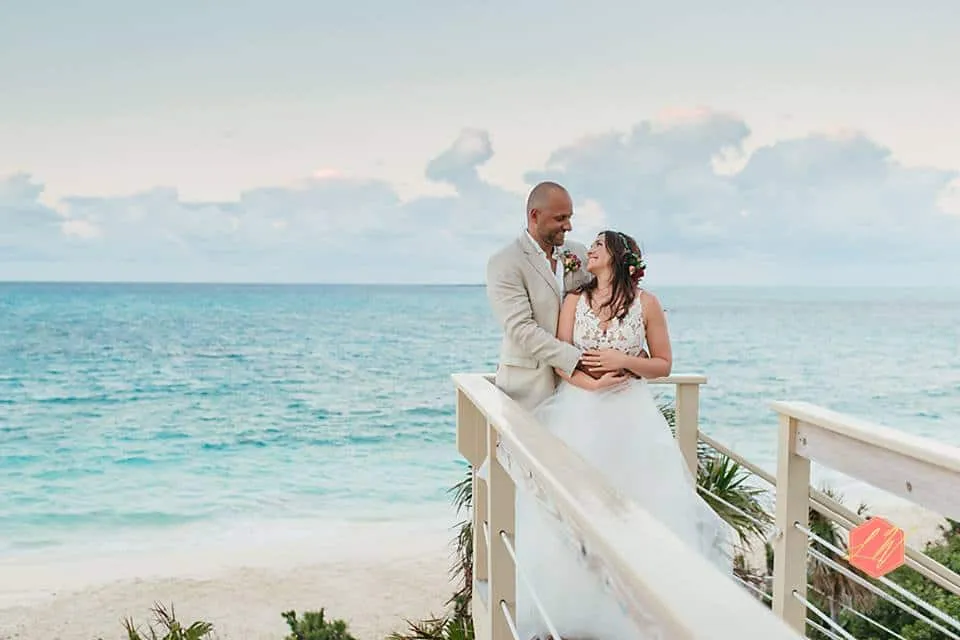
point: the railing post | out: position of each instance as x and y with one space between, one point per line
472 444
501 509
688 420
790 549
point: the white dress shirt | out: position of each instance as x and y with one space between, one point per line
557 255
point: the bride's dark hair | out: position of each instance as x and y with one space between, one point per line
628 268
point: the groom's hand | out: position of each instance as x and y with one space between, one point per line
600 361
592 367
587 370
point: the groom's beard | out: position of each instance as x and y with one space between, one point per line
557 239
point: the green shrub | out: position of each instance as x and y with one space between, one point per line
314 626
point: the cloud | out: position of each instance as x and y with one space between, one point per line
950 199
457 166
28 229
80 229
835 200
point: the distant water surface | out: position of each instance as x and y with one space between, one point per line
126 410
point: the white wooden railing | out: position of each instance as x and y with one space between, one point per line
920 470
650 571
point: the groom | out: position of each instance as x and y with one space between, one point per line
526 283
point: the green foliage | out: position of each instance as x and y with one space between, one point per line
170 627
315 626
946 551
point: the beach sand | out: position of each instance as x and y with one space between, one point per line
373 576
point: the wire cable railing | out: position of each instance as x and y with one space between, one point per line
835 629
880 593
857 614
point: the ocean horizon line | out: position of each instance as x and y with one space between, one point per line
280 283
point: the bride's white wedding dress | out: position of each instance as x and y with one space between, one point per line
623 434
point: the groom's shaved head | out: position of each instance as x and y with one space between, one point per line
549 209
539 197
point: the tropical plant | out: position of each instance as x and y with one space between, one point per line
170 627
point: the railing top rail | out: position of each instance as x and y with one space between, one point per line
665 583
677 378
938 454
680 378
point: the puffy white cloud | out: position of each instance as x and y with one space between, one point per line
823 197
837 199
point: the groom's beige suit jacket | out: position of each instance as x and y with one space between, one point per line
526 297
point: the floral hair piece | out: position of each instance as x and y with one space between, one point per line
632 259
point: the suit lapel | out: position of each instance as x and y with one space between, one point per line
541 265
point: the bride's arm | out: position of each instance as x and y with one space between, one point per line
660 362
568 313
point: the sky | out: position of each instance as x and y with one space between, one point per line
751 143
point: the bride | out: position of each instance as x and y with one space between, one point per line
606 413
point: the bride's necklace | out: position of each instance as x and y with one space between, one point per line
597 301
600 298
599 294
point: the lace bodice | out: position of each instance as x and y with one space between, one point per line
627 335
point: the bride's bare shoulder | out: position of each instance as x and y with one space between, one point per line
649 302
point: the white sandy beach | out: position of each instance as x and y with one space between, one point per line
372 575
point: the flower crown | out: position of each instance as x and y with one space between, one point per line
632 259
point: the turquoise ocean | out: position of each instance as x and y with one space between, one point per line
133 412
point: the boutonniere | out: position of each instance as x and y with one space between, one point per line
571 262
